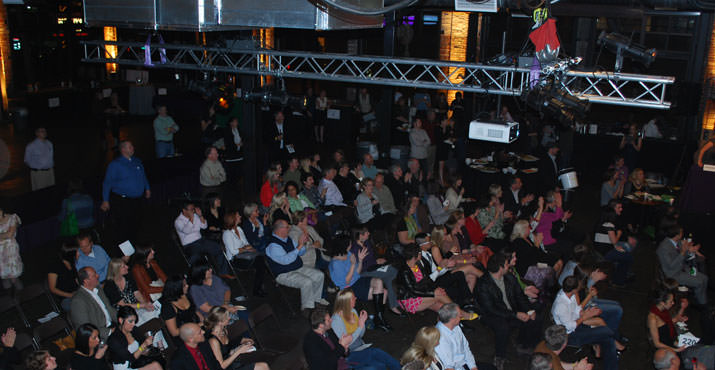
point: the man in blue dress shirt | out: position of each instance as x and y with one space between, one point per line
124 184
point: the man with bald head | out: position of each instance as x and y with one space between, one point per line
195 353
125 183
284 260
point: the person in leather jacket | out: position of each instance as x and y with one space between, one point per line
505 307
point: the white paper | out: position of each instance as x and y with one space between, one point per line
687 340
53 102
127 248
161 91
333 113
290 148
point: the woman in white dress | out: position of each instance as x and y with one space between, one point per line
10 262
422 349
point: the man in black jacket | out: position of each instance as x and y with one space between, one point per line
194 353
322 348
549 168
516 200
277 139
505 307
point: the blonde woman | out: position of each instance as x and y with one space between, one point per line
280 208
422 349
121 290
443 251
636 182
215 327
347 321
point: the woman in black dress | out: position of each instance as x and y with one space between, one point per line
126 351
227 353
88 354
176 307
62 277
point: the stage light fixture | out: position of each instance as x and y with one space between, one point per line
622 46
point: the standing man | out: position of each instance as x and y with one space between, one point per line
124 184
39 156
164 129
276 139
549 168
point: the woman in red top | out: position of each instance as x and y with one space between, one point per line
270 187
476 235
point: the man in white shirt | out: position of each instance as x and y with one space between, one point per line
584 326
39 156
453 348
188 226
333 197
90 305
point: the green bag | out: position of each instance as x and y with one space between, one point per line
69 227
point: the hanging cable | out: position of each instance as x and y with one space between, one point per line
371 12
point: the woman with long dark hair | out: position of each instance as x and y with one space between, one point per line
148 275
126 351
176 307
88 353
62 276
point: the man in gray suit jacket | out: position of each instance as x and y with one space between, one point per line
90 305
674 254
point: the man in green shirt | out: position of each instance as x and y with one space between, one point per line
164 129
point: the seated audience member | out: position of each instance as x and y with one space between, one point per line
321 347
384 195
678 257
609 230
9 355
86 307
124 349
664 335
516 200
254 227
346 182
411 224
439 208
619 166
227 357
298 201
636 182
345 269
41 360
147 273
285 263
368 207
415 179
539 361
329 191
176 307
374 266
62 277
314 247
395 182
665 359
622 258
528 252
369 170
88 354
471 223
79 203
188 226
581 252
416 290
214 216
528 287
453 348
505 307
311 192
280 209
583 324
347 321
422 350
91 255
207 291
212 175
445 255
491 219
612 187
456 223
314 166
555 340
454 195
241 253
293 173
195 352
552 216
270 187
121 291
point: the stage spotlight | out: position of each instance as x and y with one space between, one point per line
557 103
622 46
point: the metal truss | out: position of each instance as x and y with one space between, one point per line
597 87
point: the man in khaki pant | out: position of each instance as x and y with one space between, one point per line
39 156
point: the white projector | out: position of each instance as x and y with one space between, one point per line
496 131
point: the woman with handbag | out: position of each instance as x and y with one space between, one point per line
126 352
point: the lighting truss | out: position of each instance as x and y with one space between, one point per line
597 87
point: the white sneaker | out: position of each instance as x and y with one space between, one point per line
323 302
